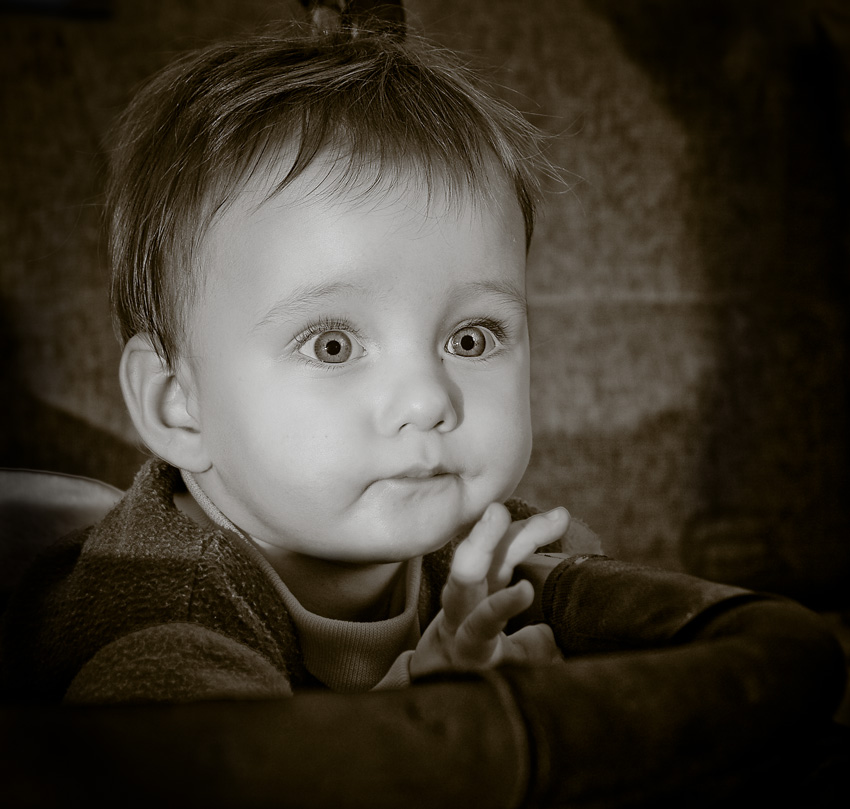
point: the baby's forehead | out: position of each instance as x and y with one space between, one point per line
344 181
344 223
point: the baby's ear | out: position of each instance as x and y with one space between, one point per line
160 402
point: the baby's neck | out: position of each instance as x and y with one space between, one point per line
346 592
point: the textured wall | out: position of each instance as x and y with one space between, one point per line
688 283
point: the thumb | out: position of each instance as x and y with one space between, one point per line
533 644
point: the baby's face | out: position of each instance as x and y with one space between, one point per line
360 367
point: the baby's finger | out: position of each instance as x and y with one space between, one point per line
533 644
474 556
523 539
459 599
467 582
489 618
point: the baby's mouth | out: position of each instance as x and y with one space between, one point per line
419 472
418 475
415 477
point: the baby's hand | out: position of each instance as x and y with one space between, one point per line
477 604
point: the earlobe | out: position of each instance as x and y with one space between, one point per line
159 401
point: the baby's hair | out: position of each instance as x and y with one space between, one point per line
389 108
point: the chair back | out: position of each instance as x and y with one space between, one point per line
37 508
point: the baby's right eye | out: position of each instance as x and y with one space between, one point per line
332 346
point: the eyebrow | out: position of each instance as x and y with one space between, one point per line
502 289
306 298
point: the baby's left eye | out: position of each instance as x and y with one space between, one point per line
331 347
471 341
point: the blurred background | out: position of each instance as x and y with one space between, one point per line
688 284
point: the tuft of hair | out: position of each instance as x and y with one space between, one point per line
387 108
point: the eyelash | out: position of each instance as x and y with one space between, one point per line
498 328
316 327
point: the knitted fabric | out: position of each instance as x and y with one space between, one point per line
149 605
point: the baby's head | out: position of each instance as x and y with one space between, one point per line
318 254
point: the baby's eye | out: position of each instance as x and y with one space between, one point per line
471 341
331 346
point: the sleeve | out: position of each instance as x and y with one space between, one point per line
175 662
596 604
692 725
671 679
733 702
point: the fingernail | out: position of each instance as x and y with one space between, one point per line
555 513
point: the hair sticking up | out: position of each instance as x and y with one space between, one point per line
332 16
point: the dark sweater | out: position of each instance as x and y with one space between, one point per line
148 605
720 685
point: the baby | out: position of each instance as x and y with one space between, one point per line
319 256
319 253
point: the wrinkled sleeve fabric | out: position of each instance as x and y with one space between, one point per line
175 662
720 691
668 679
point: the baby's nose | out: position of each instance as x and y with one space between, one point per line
421 397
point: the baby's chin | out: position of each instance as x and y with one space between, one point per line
390 549
428 525
398 541
393 522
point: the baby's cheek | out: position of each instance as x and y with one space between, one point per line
519 459
515 430
506 457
